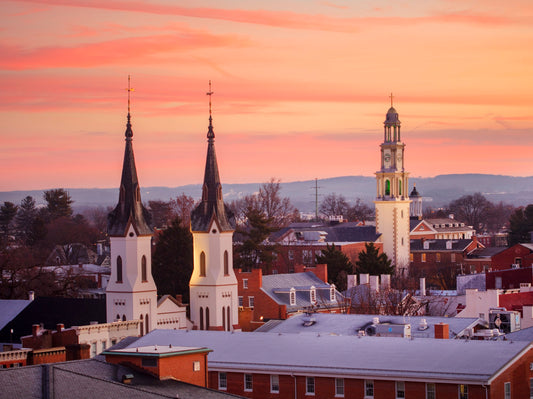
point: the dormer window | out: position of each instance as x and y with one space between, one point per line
292 297
312 295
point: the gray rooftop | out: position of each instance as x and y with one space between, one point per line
525 334
95 379
440 245
350 324
10 308
342 232
350 356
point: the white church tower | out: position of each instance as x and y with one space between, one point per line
213 285
392 200
131 293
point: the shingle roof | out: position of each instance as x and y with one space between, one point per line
278 286
95 379
439 245
364 357
342 232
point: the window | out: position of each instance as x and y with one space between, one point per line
400 390
312 294
196 366
400 190
222 381
245 283
104 345
251 301
228 318
310 385
430 391
93 349
291 254
369 389
226 263
146 324
119 269
224 318
387 187
248 383
339 387
201 318
143 269
292 297
463 391
274 383
411 257
507 390
423 257
241 301
202 264
437 257
307 257
207 318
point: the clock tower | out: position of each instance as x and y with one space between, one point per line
392 199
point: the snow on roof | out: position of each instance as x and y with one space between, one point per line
10 308
350 324
463 361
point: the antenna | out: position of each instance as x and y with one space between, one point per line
316 187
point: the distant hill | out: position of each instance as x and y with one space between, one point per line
437 191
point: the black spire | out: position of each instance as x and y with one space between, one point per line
129 208
212 204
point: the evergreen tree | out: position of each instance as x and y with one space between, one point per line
172 261
521 224
8 211
339 266
25 219
253 251
59 203
372 262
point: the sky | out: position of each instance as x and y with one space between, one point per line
301 88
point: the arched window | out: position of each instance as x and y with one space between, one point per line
202 264
399 187
123 317
207 318
143 269
228 316
387 187
119 269
224 318
142 325
146 324
201 318
226 263
118 317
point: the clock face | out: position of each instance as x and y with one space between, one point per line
387 158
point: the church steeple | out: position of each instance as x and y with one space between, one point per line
212 204
129 209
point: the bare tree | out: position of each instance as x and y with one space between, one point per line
276 208
182 207
472 209
334 205
359 211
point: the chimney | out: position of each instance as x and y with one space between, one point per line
35 329
179 298
442 331
385 281
31 295
60 327
423 286
364 278
351 281
374 283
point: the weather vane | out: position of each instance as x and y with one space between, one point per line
129 89
210 93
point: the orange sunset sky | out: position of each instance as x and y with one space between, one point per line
301 88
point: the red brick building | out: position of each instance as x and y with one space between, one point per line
266 365
278 296
519 255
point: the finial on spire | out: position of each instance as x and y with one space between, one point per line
210 133
129 132
391 97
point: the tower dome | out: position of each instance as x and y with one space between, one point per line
392 116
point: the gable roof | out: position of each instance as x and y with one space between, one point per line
357 357
278 286
441 245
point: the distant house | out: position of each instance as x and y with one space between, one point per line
280 296
440 229
300 243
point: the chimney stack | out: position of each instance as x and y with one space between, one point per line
352 281
35 329
442 331
364 278
385 281
31 295
374 283
423 286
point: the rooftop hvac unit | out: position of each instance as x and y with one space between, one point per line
389 330
505 321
